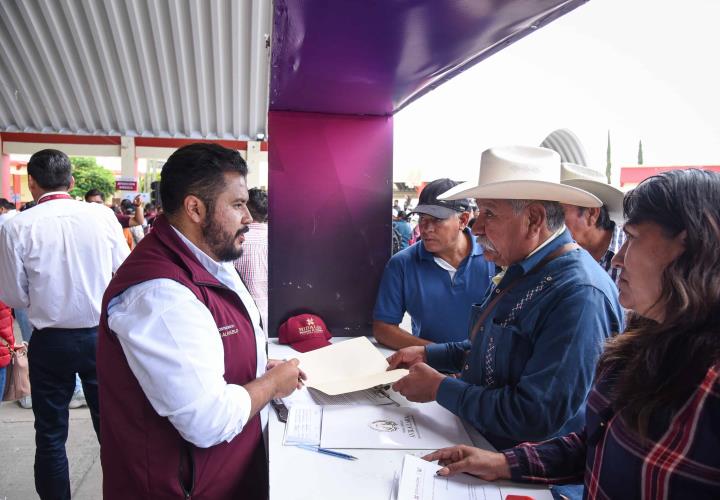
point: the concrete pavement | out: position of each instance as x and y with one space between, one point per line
17 436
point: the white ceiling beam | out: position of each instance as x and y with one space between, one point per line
107 56
163 48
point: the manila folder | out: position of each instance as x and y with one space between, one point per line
348 366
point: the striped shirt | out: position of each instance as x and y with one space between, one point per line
618 238
679 459
253 267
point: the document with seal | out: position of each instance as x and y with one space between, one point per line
349 366
418 481
419 427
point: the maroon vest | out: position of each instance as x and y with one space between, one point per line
142 454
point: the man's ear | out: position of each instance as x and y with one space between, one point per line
536 218
464 219
31 182
194 208
72 183
592 214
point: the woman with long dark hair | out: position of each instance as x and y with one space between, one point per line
653 417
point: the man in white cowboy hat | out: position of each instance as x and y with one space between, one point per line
527 367
597 229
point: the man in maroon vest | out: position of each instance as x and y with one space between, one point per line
181 353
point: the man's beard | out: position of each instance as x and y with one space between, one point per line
222 243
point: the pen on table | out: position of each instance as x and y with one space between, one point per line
326 451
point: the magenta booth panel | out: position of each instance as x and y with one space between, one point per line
330 192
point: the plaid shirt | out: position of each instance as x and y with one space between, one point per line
618 238
253 266
680 459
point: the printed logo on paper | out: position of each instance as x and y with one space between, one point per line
385 425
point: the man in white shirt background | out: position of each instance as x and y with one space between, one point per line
57 260
7 210
253 263
184 378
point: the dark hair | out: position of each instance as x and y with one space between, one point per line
603 221
28 205
51 169
197 169
258 204
94 192
659 365
6 204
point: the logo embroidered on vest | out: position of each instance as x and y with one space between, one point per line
310 328
226 331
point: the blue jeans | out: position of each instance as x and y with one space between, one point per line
2 381
55 356
21 316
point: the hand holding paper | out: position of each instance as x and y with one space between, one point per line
286 377
421 384
407 357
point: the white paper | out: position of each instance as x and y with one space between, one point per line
374 396
300 397
352 365
312 397
425 427
419 481
303 425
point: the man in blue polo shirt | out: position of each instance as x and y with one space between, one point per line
436 280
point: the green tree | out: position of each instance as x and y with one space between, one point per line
640 153
608 165
89 175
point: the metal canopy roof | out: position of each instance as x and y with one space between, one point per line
164 68
200 68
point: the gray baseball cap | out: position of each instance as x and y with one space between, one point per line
440 209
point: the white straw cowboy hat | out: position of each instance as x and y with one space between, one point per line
521 173
592 181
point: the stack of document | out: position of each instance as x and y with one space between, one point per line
419 481
420 427
303 425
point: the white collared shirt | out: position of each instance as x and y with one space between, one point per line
7 216
173 348
57 258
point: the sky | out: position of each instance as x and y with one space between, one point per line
644 70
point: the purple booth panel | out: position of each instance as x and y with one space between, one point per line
376 56
330 192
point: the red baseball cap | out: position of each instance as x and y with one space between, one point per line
304 332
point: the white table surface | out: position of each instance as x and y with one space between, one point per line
299 474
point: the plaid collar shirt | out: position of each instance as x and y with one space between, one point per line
618 238
253 266
680 459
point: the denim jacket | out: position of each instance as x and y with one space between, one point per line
526 375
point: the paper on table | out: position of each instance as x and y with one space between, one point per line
352 365
312 397
422 427
303 425
373 396
418 481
